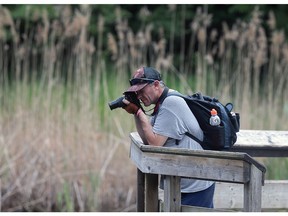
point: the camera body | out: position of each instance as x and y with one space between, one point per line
130 96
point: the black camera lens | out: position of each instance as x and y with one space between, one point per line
117 103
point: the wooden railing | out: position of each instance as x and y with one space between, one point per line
261 143
258 143
220 166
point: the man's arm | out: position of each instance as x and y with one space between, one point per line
145 131
143 126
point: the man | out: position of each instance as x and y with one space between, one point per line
170 120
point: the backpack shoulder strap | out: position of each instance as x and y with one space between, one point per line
160 101
175 93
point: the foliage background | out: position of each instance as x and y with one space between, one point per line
62 149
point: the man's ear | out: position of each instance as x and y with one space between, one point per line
156 83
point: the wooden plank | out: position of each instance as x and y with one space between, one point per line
262 138
137 143
262 143
252 191
140 191
214 165
195 167
230 196
172 194
185 208
256 143
151 193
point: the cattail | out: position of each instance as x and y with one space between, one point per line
130 38
259 58
112 46
285 53
213 35
194 25
277 40
38 35
207 19
5 17
201 36
242 40
162 46
209 59
85 8
57 28
52 55
271 20
66 14
21 51
46 26
148 36
256 14
140 39
74 28
251 32
234 34
144 13
230 35
164 63
262 39
36 15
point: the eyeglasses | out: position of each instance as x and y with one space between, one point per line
136 81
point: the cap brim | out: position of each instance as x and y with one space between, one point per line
136 88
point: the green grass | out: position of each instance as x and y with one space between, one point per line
277 168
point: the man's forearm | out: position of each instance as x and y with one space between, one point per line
145 131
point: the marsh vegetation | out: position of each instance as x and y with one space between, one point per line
62 149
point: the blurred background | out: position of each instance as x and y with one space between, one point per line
63 149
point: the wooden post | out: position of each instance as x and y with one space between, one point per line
172 194
151 193
253 190
140 191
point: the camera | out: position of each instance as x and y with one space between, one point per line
118 103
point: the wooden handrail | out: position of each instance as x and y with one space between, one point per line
208 165
262 143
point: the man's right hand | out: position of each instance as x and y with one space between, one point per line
130 107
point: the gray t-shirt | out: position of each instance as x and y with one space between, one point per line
173 120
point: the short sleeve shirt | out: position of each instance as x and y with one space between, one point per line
173 120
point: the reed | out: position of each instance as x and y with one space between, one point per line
62 149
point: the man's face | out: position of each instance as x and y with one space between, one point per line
147 94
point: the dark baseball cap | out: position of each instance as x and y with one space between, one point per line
142 77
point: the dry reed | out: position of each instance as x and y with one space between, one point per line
64 150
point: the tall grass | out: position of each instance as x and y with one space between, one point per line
62 149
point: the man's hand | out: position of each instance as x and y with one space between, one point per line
130 107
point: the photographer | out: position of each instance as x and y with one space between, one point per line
169 122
